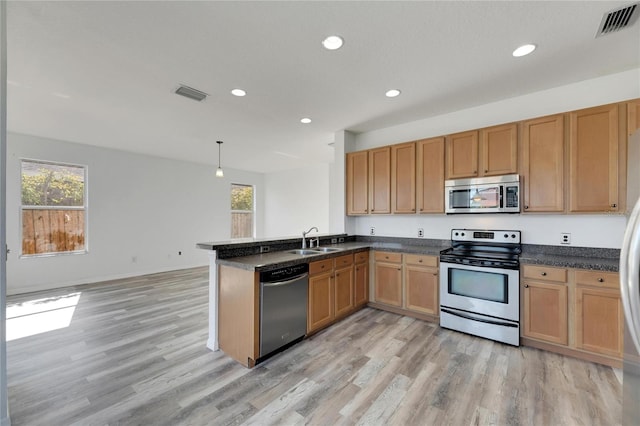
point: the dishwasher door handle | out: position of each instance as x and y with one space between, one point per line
287 282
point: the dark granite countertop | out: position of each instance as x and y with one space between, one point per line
245 254
600 259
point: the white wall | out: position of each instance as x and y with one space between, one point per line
139 206
586 230
297 200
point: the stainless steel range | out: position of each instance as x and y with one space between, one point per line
480 284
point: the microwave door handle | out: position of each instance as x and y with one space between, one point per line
501 196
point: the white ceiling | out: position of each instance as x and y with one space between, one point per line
103 73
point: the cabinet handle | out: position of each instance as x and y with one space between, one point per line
614 205
337 275
544 274
600 280
526 286
399 269
322 267
420 261
526 207
486 171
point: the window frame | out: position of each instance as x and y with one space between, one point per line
84 207
252 211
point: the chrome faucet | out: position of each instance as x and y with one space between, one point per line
304 234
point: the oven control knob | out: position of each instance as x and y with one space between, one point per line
456 234
506 235
462 234
513 235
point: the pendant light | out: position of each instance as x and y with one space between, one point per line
219 172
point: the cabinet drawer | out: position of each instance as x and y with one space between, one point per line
320 266
344 260
385 256
545 273
421 260
598 279
362 257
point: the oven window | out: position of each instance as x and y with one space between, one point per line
479 285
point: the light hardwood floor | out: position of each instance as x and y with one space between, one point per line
134 354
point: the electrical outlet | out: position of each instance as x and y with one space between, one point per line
565 238
372 230
341 240
264 249
334 241
420 232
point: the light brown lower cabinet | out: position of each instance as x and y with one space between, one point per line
320 308
573 311
421 284
407 284
599 322
361 279
545 311
334 288
388 278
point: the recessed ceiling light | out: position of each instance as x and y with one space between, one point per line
305 120
238 92
392 93
523 50
332 42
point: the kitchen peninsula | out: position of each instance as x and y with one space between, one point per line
235 267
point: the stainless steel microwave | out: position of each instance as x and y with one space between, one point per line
494 194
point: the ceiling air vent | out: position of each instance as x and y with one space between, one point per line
618 19
191 93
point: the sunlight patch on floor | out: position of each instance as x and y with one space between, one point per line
40 315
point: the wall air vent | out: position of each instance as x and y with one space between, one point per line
618 19
191 93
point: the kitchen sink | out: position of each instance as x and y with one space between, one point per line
303 251
325 249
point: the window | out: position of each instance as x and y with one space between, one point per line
241 211
53 208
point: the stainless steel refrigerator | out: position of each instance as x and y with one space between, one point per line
630 291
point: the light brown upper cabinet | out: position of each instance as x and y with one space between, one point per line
430 175
403 178
633 116
543 164
488 152
593 159
462 155
499 150
357 183
380 180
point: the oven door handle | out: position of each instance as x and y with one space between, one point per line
474 318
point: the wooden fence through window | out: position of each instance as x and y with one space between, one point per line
52 231
241 224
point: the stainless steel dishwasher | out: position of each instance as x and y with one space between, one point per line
283 307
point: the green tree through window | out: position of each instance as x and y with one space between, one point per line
241 211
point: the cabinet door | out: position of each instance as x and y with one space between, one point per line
633 116
344 291
320 307
421 289
388 283
593 157
361 278
599 320
380 180
545 312
430 175
499 150
357 183
543 164
462 155
403 178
